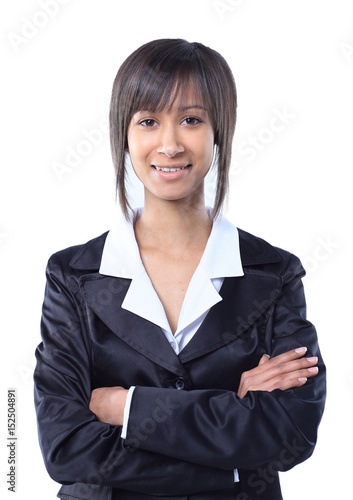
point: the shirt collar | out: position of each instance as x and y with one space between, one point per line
221 258
121 256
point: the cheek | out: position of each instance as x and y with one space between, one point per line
207 148
139 148
135 152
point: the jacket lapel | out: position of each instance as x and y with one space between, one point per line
245 300
104 295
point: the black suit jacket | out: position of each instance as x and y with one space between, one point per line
188 429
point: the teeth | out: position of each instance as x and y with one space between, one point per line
166 169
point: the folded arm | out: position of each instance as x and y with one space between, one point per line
76 446
278 406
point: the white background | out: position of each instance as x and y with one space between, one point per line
293 189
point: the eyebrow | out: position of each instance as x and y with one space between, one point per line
181 108
184 108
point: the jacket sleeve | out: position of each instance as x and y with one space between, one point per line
76 446
278 427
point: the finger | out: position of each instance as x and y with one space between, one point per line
291 366
279 360
287 362
284 382
268 374
270 371
285 385
289 355
281 363
265 358
294 380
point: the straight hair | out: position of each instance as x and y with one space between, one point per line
151 78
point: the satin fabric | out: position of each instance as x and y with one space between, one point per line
187 429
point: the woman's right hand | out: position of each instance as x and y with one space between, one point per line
283 372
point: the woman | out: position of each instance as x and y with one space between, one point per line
176 359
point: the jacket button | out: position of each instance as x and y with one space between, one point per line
179 384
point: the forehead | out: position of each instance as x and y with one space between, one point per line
179 106
173 95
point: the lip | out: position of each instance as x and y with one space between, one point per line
176 165
177 171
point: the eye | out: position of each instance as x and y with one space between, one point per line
148 122
192 120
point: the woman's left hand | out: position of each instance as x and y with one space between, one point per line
108 404
284 372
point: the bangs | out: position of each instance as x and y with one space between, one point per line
160 91
157 80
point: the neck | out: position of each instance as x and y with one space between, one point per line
173 224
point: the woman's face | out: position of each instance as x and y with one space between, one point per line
172 151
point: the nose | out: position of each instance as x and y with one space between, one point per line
169 142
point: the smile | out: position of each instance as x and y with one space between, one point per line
170 169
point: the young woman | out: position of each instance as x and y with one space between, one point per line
176 361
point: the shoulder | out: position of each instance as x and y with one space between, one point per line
258 253
86 256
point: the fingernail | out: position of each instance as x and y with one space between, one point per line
313 360
269 357
301 350
302 379
313 370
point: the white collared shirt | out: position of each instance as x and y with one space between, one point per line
220 259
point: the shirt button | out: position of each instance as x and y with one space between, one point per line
174 345
179 384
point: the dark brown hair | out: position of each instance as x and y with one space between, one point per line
151 78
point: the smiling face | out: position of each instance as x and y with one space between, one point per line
172 150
